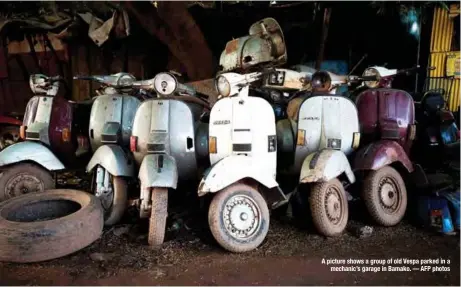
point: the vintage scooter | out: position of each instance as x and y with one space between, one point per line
314 143
55 138
111 123
437 140
243 155
387 124
168 140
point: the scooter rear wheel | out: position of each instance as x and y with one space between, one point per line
239 218
385 196
24 178
329 207
158 215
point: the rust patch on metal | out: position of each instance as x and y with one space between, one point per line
232 46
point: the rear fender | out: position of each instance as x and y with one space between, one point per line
325 165
114 159
234 168
378 154
30 151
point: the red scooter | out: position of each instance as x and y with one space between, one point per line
387 126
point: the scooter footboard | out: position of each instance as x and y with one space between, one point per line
114 159
158 170
325 165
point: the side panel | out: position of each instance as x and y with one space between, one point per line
30 151
244 126
62 118
376 155
114 159
325 165
158 170
118 109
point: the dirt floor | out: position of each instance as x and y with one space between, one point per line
289 256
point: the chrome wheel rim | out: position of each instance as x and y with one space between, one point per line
23 183
389 195
333 205
241 217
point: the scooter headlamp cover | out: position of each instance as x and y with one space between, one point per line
37 83
371 72
125 80
223 86
165 84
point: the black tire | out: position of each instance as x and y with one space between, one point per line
389 210
252 200
114 211
158 215
38 227
329 207
24 178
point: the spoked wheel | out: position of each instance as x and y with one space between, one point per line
385 196
113 197
239 218
158 215
24 178
329 207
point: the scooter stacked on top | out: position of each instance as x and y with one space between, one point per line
110 127
169 140
54 131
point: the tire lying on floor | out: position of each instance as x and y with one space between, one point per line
42 226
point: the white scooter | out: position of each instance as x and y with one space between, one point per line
243 155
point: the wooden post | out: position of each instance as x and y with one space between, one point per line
326 23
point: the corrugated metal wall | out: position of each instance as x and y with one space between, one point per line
441 38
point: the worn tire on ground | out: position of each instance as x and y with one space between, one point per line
158 216
371 196
217 225
320 218
42 180
76 222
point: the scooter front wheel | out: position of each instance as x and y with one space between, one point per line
113 199
385 196
24 178
329 207
239 218
158 215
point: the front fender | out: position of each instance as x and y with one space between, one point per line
158 170
232 169
114 159
378 154
30 151
325 165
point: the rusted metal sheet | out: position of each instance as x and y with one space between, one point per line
438 78
442 31
379 154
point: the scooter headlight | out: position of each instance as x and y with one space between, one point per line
125 80
223 86
165 84
371 72
36 82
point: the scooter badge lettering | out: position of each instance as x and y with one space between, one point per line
224 122
311 118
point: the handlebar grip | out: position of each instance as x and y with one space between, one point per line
369 78
85 78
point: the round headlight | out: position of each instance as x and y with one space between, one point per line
36 83
223 86
371 72
165 84
321 81
125 80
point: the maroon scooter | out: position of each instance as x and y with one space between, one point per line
387 126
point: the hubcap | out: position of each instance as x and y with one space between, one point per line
23 183
241 216
333 205
389 195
